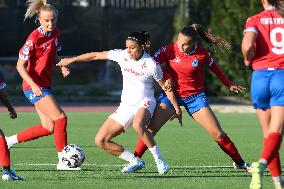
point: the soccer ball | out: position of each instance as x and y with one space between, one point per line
72 156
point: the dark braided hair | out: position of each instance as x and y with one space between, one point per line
142 38
213 41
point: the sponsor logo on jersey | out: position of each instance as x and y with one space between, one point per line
194 63
133 72
29 43
45 46
26 50
177 59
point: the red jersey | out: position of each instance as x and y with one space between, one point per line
269 43
186 69
40 50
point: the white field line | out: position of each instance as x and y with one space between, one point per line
93 164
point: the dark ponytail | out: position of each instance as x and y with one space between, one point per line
213 41
142 38
279 6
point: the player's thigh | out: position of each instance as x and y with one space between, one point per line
49 107
277 119
206 118
161 115
264 119
46 121
109 130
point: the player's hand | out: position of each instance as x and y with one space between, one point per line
65 71
13 113
36 90
64 62
178 115
168 85
236 88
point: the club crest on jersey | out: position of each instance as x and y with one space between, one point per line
194 63
26 50
177 59
29 43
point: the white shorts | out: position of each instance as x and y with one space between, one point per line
125 114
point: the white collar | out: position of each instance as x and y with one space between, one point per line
47 34
270 7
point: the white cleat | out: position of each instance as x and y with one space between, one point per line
62 167
246 167
134 165
162 167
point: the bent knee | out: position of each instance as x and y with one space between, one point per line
101 142
49 126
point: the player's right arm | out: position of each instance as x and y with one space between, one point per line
84 58
21 67
248 49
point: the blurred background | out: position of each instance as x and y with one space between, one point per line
97 25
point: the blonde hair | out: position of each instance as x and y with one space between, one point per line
36 6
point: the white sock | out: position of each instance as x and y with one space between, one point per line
156 153
263 161
12 140
59 156
126 155
277 179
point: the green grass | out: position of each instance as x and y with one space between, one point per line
182 147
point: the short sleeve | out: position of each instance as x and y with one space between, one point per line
250 25
156 71
27 49
161 55
115 55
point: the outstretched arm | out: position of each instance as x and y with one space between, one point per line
84 58
248 48
7 102
220 74
170 94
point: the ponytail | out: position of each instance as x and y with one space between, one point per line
35 6
210 39
279 6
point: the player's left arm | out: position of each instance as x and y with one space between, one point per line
215 68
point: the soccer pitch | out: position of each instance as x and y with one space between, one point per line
195 160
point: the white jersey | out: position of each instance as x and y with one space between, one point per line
138 76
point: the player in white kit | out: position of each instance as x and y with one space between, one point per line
137 105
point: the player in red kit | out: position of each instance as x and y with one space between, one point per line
7 174
263 50
36 59
185 61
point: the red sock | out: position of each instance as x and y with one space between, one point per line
4 153
60 134
229 148
274 166
271 147
32 133
140 148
